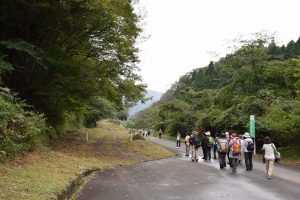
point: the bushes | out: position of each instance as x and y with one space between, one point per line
20 130
138 137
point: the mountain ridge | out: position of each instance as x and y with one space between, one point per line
142 106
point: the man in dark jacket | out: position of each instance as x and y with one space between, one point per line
204 144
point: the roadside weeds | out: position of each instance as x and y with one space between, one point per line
59 170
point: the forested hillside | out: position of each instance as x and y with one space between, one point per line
259 78
64 64
151 96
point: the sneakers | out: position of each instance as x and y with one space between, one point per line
268 177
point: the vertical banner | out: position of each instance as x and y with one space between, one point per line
252 130
252 126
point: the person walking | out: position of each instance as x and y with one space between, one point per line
248 148
178 140
269 155
159 133
210 144
235 151
241 159
148 132
228 140
222 148
195 142
216 145
187 145
204 144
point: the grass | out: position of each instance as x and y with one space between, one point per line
290 155
41 175
169 137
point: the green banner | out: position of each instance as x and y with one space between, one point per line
252 126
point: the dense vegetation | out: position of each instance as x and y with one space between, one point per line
73 61
258 78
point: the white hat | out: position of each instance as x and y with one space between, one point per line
246 135
207 133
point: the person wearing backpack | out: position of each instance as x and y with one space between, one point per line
228 140
222 148
241 159
248 148
216 145
235 151
210 144
195 142
269 155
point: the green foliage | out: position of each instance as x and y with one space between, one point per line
66 54
20 130
98 109
259 78
74 61
291 152
138 137
23 46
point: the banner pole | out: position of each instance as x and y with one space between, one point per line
252 131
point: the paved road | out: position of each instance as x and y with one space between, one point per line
179 178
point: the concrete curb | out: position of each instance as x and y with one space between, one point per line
74 184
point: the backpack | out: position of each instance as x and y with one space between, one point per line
211 140
250 147
197 142
191 141
223 145
236 147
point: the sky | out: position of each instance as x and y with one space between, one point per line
188 34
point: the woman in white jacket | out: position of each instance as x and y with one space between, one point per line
269 155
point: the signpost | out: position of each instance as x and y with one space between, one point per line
252 130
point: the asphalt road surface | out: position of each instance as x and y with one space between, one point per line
179 178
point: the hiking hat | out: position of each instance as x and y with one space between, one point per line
246 135
207 133
233 135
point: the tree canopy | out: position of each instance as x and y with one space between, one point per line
72 60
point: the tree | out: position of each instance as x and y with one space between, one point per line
65 54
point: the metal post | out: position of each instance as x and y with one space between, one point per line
87 136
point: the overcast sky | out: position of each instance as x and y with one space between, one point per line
183 32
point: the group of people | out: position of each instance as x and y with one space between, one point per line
145 133
228 149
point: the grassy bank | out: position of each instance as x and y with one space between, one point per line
166 136
290 155
41 175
